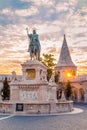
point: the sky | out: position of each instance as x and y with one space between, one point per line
51 19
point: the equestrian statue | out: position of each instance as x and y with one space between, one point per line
34 45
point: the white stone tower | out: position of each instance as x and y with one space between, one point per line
65 65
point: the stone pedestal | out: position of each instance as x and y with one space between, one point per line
52 106
85 97
30 94
52 87
33 85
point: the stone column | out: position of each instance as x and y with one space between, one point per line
37 73
53 94
52 106
78 96
85 98
44 93
85 95
24 74
0 98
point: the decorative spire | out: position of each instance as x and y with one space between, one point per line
65 58
64 40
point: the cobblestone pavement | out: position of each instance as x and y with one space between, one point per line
59 122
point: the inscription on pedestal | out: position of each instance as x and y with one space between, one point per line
19 107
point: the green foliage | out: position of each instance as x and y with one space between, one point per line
5 90
68 90
48 60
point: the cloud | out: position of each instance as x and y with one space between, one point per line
61 7
83 61
20 12
81 4
27 12
83 49
7 11
41 2
52 50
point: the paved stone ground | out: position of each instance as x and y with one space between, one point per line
59 122
2 116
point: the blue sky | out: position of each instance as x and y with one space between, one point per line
51 19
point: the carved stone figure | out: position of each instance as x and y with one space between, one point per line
14 76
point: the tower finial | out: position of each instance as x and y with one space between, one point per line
64 40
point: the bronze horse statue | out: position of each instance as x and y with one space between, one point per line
34 45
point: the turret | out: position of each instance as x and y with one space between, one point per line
65 65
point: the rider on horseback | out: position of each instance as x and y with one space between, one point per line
34 46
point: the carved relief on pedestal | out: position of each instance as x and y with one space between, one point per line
43 75
28 95
52 80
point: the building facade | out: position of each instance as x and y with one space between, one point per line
68 72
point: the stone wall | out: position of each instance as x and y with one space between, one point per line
36 108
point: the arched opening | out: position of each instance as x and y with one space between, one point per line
81 91
77 94
59 93
74 94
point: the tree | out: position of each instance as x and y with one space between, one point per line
48 60
68 90
6 90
